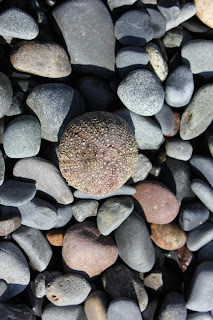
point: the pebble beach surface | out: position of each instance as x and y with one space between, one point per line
106 169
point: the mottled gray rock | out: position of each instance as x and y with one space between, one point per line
165 117
142 169
6 94
15 23
200 236
141 93
198 114
10 220
158 22
44 173
18 104
176 37
193 215
68 290
197 55
14 269
204 192
15 193
125 190
38 214
64 215
178 149
15 311
83 209
42 279
22 137
173 307
187 10
52 312
123 309
2 168
134 28
179 87
113 212
157 61
170 9
200 296
35 245
199 316
88 31
204 165
55 104
134 245
206 253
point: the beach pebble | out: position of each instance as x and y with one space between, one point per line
204 192
68 290
200 236
52 312
113 212
35 245
165 118
187 10
119 3
176 37
157 61
3 287
193 215
170 9
159 204
134 28
204 165
154 280
64 215
177 125
15 23
173 306
10 220
142 170
198 114
22 137
2 168
43 172
200 289
123 309
125 190
6 94
195 25
206 253
134 245
205 11
178 149
83 245
84 209
41 279
95 306
15 311
41 58
158 22
55 237
199 316
179 87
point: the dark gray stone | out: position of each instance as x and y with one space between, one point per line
195 25
6 94
123 191
158 22
200 236
134 245
187 10
64 215
141 93
15 193
35 245
88 31
52 312
206 253
83 209
178 149
200 290
170 9
134 28
173 307
165 117
193 215
15 311
204 165
149 312
22 137
179 87
204 192
123 309
199 316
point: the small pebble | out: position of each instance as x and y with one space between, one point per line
10 220
165 118
52 312
123 309
125 190
178 149
158 22
6 94
142 170
154 280
176 37
64 215
200 236
3 287
55 237
95 306
173 307
42 279
187 10
193 215
185 257
157 61
205 11
84 209
177 125
117 4
170 9
204 192
204 165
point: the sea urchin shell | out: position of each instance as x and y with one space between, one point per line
97 153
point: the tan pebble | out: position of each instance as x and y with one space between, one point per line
55 237
205 11
95 306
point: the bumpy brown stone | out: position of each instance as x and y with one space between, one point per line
205 11
177 125
158 202
97 153
168 236
85 249
95 306
41 58
55 237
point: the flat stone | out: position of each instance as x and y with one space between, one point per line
52 312
178 149
134 245
15 193
198 114
47 177
125 190
179 87
141 93
159 204
142 169
10 220
68 290
55 237
64 100
84 209
199 316
123 309
119 3
134 28
200 289
14 270
173 306
165 118
15 23
158 22
85 249
176 37
95 306
6 94
204 192
206 253
64 215
113 212
170 9
88 31
15 311
200 236
41 58
35 245
197 55
204 165
187 10
205 11
22 137
193 215
168 236
38 214
157 61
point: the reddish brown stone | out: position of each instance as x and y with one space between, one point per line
85 249
55 237
176 127
168 236
158 202
205 11
9 223
185 257
95 306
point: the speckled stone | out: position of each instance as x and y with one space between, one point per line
125 190
187 10
41 58
204 192
157 61
178 149
10 220
68 290
193 215
168 236
205 11
83 209
176 37
158 202
200 236
85 249
119 3
55 237
6 94
52 312
165 117
15 311
95 306
204 165
173 306
123 309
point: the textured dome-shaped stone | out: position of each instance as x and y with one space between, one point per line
97 153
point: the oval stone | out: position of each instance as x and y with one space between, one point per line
205 11
95 306
123 309
52 312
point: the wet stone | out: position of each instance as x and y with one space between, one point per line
84 209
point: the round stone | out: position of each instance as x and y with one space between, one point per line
95 306
22 137
85 249
159 204
177 125
52 312
192 215
6 94
10 220
64 215
141 93
178 149
3 287
83 209
55 237
204 165
165 117
68 290
123 309
200 236
205 11
173 306
97 153
204 192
